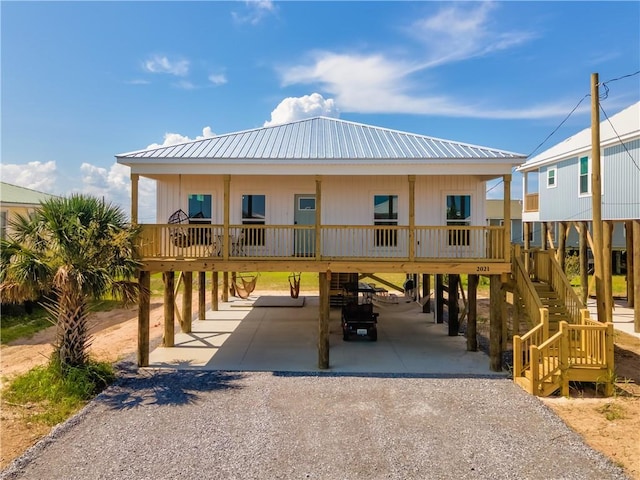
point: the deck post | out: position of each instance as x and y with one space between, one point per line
495 322
584 262
527 245
628 227
169 309
134 197
225 226
214 291
439 299
564 359
412 218
318 219
454 323
202 295
636 277
144 283
187 301
472 316
607 235
225 286
323 320
426 292
507 217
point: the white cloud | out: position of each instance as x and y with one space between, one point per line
162 64
380 83
255 11
40 176
298 108
176 138
218 79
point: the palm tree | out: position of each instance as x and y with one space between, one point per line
71 250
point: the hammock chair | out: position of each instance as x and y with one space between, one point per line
248 285
179 236
294 284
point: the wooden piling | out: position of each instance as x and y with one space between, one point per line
439 302
202 295
426 293
144 283
628 226
472 295
187 301
636 277
607 235
584 262
214 291
495 322
225 286
169 309
454 324
323 321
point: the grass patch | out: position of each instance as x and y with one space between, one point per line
16 323
611 411
51 397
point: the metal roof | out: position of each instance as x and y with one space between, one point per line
322 138
624 125
13 194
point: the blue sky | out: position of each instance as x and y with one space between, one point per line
84 81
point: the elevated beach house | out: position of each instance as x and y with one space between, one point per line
16 200
321 195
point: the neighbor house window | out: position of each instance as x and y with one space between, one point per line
200 207
385 212
585 174
459 215
552 173
253 213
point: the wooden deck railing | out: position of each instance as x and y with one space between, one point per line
486 243
531 202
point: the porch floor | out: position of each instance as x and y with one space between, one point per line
241 337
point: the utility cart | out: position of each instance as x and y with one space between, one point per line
358 317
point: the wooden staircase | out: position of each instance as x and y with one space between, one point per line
564 344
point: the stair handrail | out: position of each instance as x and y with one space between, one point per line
522 359
532 302
561 285
546 367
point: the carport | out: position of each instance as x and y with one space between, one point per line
241 336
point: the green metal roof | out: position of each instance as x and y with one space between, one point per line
13 194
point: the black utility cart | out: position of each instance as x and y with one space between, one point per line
358 317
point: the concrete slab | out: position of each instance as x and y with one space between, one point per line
239 337
622 316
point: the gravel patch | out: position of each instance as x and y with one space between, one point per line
257 425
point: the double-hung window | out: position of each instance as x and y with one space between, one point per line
552 180
253 213
385 212
458 215
585 175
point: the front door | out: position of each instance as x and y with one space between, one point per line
305 214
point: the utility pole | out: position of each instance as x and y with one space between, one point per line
596 199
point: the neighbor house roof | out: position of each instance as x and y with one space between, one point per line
19 196
622 126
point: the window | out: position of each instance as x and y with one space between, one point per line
253 213
306 203
385 212
3 224
200 207
585 174
459 214
552 173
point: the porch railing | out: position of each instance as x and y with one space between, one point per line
486 243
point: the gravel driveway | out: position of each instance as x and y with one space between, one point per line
217 425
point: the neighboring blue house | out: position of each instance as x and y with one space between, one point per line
557 185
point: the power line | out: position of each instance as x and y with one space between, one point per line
621 142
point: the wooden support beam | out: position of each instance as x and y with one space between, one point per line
426 292
527 244
202 295
550 232
412 217
168 339
225 286
504 313
543 235
187 302
636 278
324 279
439 299
472 295
144 283
318 219
454 325
584 262
562 245
607 237
507 216
226 217
495 322
628 226
214 291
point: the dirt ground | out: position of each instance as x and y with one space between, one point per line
115 334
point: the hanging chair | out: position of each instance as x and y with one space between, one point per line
294 284
179 236
248 285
